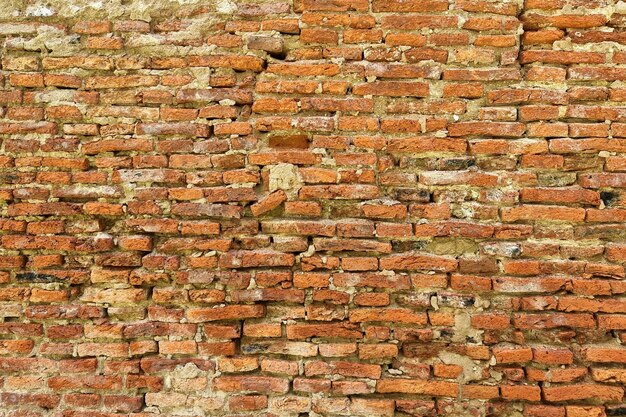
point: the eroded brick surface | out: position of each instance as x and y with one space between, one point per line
312 207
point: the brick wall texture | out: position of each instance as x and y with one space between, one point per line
313 208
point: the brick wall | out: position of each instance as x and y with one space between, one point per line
313 207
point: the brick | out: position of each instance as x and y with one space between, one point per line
561 57
348 369
521 392
574 411
392 88
253 384
232 312
417 261
387 315
247 259
97 42
605 355
268 203
89 382
236 62
583 391
414 22
305 331
530 212
409 386
303 69
121 81
512 355
553 356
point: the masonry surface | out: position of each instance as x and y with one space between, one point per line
312 208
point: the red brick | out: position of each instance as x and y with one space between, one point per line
583 391
231 312
411 386
261 384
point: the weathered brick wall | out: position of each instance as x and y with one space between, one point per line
313 207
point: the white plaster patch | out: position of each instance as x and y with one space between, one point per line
39 10
285 177
226 6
